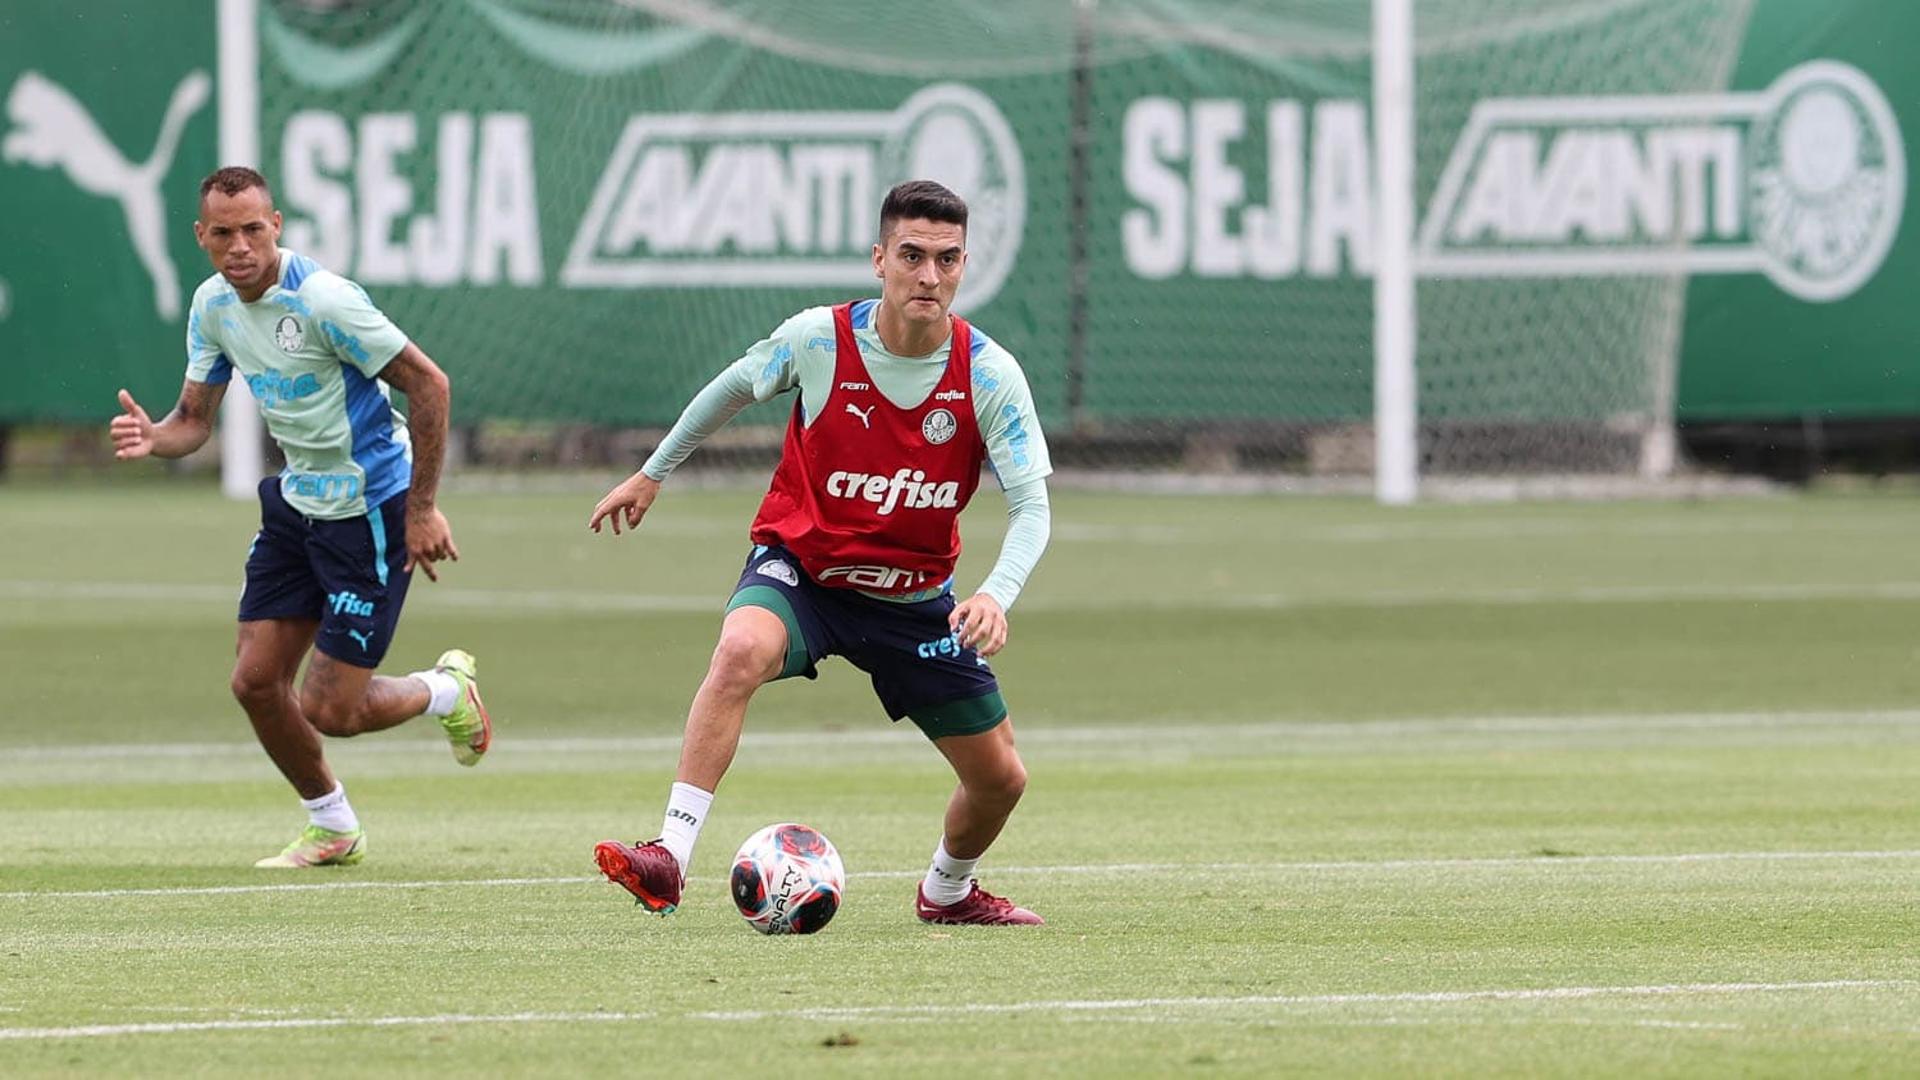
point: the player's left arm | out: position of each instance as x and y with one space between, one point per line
429 403
364 339
1017 449
981 619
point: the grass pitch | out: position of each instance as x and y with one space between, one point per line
1316 787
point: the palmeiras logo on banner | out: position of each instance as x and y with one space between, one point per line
790 198
1826 177
1804 182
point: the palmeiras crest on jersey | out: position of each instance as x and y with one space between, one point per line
288 334
938 427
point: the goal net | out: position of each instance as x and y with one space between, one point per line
1537 157
585 209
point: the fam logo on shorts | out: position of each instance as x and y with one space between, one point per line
939 426
288 334
778 571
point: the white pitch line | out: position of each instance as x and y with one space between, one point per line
317 886
1522 861
1550 993
1431 864
520 602
886 1012
505 600
1505 597
1473 531
1037 732
94 1031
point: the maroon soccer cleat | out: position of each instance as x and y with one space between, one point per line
978 908
648 871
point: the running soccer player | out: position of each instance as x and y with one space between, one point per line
346 522
899 405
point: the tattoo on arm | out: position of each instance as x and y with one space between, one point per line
429 399
197 402
427 423
188 426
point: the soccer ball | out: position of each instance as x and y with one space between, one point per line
787 879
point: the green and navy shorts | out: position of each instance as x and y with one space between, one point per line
349 575
918 666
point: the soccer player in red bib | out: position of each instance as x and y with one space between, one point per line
899 404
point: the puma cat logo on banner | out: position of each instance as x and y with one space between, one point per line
52 129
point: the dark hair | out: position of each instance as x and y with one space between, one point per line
233 180
921 199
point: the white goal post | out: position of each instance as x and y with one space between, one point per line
242 440
1396 470
1527 329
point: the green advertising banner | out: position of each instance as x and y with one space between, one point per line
1752 352
109 125
1230 231
584 210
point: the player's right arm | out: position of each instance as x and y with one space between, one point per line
768 369
178 434
188 427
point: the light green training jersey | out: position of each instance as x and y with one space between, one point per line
799 355
309 350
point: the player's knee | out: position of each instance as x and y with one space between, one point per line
1002 785
1013 782
329 716
256 688
743 660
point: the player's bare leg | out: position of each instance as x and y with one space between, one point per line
752 648
992 779
342 700
267 659
751 651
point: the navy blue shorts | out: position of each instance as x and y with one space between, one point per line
345 573
919 669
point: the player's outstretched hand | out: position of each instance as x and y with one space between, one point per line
981 623
628 501
132 430
429 540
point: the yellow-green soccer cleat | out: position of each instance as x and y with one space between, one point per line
316 846
468 728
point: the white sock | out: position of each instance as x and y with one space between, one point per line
686 812
444 688
949 879
331 811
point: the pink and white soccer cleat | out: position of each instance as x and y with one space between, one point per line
978 908
648 871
